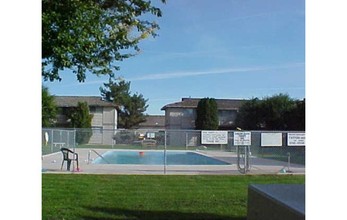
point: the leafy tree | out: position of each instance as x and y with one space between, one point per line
81 119
249 115
207 115
93 35
279 112
274 110
295 118
131 107
49 108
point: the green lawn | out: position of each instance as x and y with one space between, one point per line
105 197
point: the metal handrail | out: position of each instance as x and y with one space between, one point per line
245 155
89 154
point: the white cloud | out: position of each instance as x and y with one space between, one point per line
182 74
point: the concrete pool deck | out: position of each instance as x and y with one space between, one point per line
51 164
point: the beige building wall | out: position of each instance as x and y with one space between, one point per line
104 123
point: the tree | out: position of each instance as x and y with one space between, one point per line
279 112
133 113
296 117
93 35
117 91
49 108
131 107
249 115
274 111
207 114
80 118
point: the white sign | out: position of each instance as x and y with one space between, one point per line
242 138
296 139
150 135
271 139
175 114
214 137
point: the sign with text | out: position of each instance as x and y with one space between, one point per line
150 135
214 137
271 139
296 139
242 138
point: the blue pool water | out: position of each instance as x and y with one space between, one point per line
156 158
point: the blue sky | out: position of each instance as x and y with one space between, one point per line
216 49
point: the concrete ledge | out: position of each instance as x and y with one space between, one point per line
276 201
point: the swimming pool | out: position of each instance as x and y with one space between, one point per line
157 158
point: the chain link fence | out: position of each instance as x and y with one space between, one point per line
54 139
269 151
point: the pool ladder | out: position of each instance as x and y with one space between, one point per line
243 159
89 156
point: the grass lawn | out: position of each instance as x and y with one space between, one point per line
92 197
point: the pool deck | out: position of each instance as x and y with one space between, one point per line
51 164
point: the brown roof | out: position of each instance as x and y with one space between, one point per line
154 121
72 101
223 104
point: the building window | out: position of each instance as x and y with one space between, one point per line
188 112
92 109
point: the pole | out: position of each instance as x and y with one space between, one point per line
165 152
52 141
186 141
250 157
245 158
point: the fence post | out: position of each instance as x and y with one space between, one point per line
52 137
186 140
165 151
289 161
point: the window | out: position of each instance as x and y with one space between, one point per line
92 109
188 112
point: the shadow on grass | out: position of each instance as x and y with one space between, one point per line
116 213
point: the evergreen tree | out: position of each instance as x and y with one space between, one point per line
133 113
207 114
81 119
131 107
